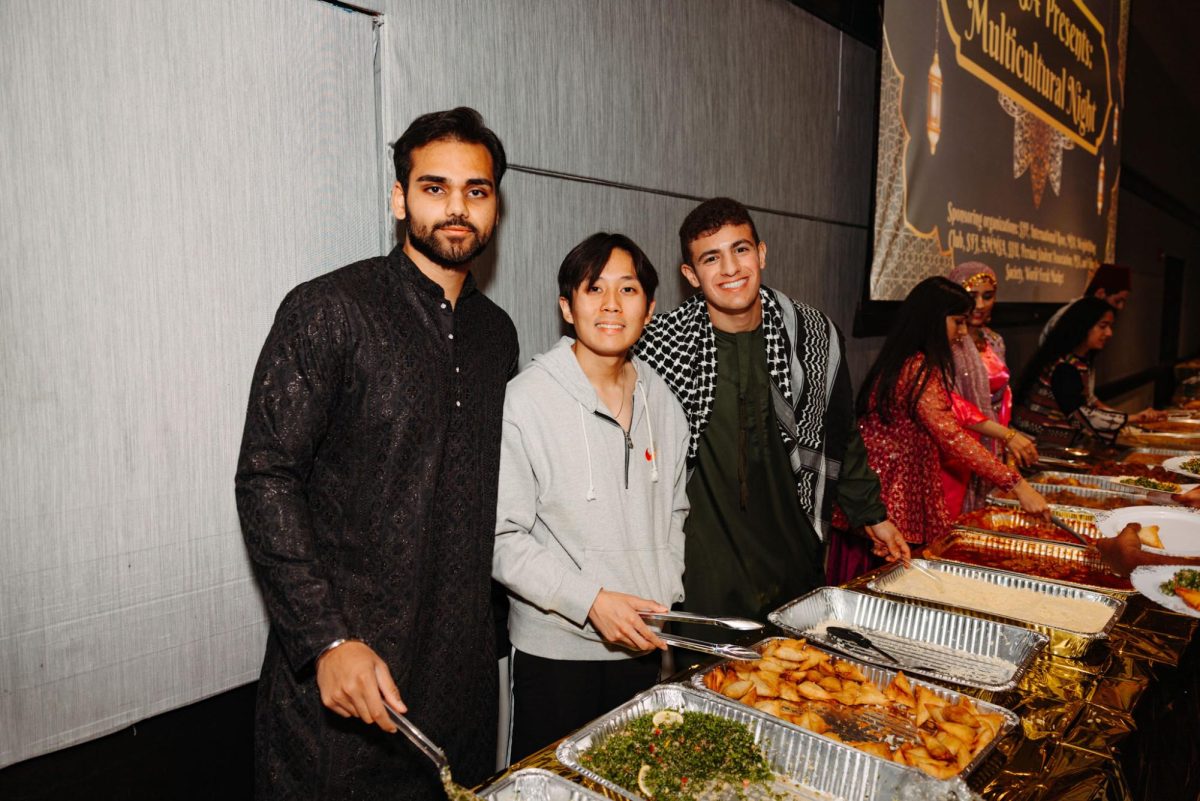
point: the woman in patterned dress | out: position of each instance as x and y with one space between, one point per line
981 396
907 419
1056 398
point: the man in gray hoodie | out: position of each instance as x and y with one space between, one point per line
591 502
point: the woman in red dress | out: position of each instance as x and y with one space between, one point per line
908 422
981 396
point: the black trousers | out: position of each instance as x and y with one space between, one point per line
554 697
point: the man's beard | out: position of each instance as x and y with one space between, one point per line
449 255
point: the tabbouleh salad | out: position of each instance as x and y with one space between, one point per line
670 756
1187 579
1150 484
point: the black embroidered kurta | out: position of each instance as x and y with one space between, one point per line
366 489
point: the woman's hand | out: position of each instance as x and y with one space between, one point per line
1022 449
1031 500
615 616
888 542
1147 416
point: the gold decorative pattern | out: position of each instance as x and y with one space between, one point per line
1037 148
903 254
1110 237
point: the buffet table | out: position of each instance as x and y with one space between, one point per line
1118 722
1075 714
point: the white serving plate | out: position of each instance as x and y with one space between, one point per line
1178 526
1174 464
1146 580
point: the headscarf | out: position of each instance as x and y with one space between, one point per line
970 374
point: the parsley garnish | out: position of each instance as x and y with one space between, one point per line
680 761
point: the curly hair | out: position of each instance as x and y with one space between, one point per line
709 217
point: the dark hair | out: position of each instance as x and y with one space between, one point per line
1068 333
1112 278
460 124
584 264
709 217
920 327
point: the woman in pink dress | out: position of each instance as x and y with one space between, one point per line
907 418
981 396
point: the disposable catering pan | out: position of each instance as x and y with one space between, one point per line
1103 499
808 766
1097 483
872 723
997 520
1161 454
535 784
1063 641
946 646
1042 559
1140 438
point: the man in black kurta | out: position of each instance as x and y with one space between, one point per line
367 492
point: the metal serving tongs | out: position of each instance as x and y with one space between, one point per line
727 650
857 638
436 755
736 623
1058 521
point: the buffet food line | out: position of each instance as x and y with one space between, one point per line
1007 665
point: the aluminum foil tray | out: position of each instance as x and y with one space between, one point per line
1110 487
1165 453
945 646
810 767
862 723
1082 522
1046 551
1125 499
535 784
1159 439
1063 641
1062 510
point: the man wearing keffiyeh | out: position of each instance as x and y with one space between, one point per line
765 387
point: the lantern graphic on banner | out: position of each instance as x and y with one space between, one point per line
1100 188
1116 116
933 107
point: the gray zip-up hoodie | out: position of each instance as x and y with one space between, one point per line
581 507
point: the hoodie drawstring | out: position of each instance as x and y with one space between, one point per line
587 446
591 493
650 426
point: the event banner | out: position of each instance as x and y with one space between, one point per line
999 142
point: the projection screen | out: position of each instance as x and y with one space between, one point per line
999 142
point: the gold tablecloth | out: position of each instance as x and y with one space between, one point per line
1074 715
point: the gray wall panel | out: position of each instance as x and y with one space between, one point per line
172 170
758 99
545 217
1148 233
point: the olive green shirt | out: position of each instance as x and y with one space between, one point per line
749 546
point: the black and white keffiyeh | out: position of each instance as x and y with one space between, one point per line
804 359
